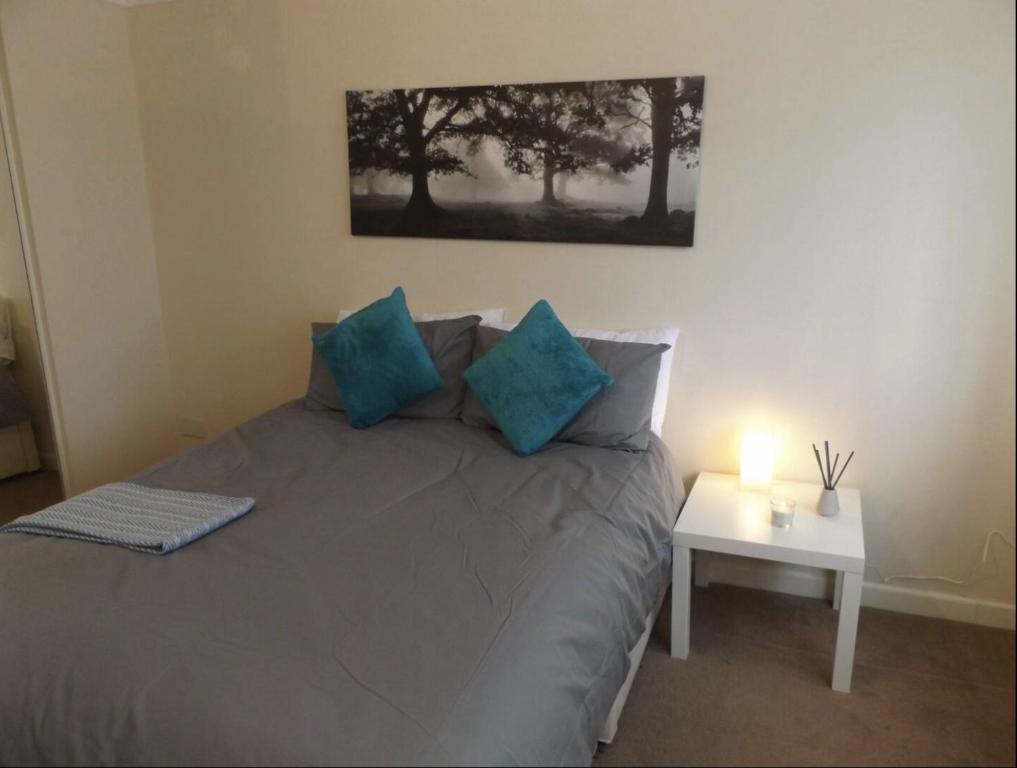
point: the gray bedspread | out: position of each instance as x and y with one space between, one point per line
414 593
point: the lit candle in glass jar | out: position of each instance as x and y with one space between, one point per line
782 511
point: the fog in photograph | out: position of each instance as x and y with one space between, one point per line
612 161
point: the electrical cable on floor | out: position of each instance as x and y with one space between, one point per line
965 582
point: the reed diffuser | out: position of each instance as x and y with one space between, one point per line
829 504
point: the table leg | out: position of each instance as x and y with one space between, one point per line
838 588
847 631
681 597
701 568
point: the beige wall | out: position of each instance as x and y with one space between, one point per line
75 114
27 369
853 274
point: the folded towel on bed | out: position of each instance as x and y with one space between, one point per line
128 515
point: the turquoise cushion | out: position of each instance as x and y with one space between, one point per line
535 380
378 360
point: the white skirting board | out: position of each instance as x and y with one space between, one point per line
813 582
610 728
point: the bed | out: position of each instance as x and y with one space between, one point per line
414 593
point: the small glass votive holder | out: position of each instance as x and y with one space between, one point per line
782 511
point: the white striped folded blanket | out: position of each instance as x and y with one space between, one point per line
155 520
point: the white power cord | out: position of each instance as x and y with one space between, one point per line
965 582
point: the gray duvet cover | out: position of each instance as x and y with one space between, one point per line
414 593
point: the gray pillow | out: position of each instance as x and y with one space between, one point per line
450 343
617 417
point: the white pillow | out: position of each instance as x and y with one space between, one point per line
643 336
487 316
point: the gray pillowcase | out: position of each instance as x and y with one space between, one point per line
617 417
450 343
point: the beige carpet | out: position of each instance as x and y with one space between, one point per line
22 494
756 690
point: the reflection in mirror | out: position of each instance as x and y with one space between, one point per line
29 469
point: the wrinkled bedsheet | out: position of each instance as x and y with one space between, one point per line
414 593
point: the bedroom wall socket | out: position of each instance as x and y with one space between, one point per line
192 428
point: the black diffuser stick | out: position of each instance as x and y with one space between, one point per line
829 482
834 468
819 461
843 468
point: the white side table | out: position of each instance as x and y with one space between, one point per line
719 517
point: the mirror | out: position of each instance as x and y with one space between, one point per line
29 465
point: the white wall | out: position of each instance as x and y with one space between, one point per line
75 115
853 273
852 278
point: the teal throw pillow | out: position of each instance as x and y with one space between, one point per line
535 380
378 360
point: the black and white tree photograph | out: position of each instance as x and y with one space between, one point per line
604 161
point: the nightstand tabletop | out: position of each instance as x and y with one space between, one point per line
720 517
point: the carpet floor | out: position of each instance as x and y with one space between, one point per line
755 690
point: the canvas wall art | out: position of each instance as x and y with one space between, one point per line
604 161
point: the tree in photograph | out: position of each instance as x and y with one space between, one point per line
675 107
369 136
608 157
545 129
401 131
